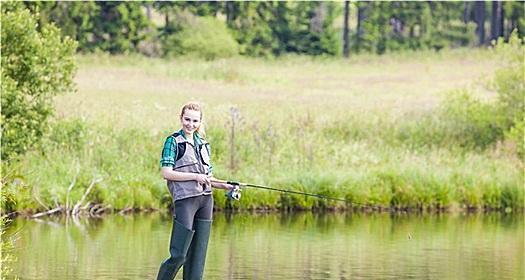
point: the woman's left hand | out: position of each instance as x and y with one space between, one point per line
227 187
220 184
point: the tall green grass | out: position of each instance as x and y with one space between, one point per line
410 131
367 170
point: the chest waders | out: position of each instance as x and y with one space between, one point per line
196 258
179 245
188 247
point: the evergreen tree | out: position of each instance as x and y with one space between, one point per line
118 27
273 28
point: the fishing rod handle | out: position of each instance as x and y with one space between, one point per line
220 181
233 183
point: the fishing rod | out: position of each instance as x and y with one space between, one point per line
235 193
284 191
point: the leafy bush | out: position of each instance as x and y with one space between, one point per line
469 121
204 37
517 134
68 135
464 120
509 82
36 65
6 247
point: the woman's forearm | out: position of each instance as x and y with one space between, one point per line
172 175
219 184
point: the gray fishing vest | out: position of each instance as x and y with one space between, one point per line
193 161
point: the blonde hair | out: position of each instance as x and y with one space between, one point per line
195 107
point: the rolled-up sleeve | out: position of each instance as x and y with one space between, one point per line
169 153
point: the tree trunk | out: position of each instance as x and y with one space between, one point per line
479 17
148 11
466 12
316 23
496 23
166 21
346 43
362 8
230 13
397 26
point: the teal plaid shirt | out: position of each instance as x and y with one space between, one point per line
169 151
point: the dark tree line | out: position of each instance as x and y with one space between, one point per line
272 28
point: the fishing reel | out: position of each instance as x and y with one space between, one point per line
235 192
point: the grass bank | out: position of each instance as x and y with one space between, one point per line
375 130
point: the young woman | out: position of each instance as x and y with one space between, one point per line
186 166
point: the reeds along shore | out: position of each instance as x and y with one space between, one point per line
377 131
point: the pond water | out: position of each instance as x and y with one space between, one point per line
280 246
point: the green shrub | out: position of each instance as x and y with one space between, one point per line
461 120
469 121
204 37
512 197
36 65
66 134
7 259
517 135
456 34
509 83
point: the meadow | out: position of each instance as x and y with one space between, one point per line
375 130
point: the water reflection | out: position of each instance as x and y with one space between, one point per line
281 246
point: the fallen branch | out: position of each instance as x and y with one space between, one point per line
125 210
87 206
91 185
101 210
71 186
94 209
47 212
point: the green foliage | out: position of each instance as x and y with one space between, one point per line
454 34
74 149
470 122
272 28
413 158
75 19
7 194
509 81
511 197
36 65
251 27
517 135
204 37
397 25
464 120
118 27
127 160
514 12
115 27
276 28
6 247
306 28
66 135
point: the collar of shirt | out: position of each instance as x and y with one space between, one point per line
196 137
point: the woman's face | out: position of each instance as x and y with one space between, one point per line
190 121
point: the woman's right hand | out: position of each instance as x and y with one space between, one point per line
203 179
